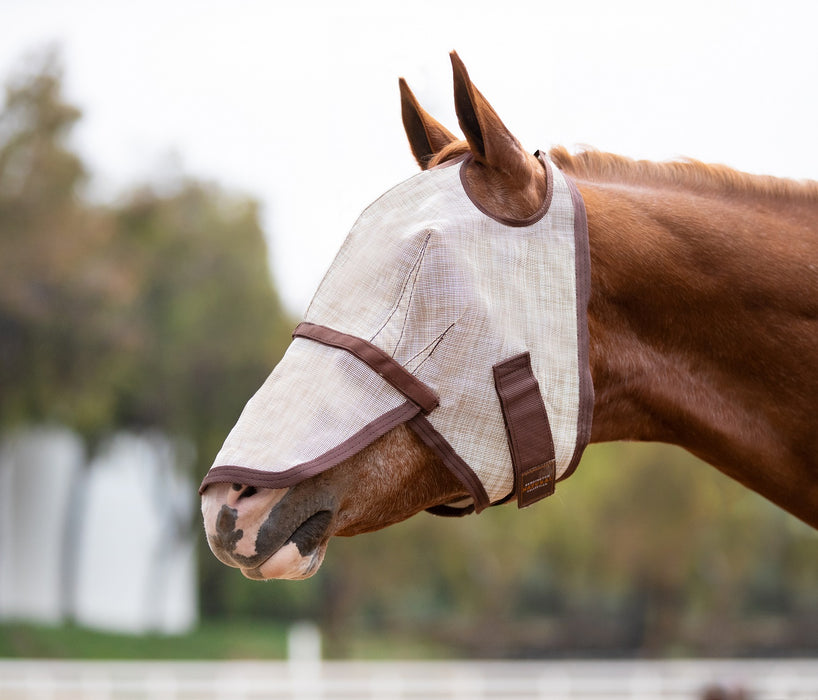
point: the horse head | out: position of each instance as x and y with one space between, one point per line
369 446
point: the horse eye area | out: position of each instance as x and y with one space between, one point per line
311 532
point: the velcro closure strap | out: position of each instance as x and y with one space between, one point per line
527 429
382 363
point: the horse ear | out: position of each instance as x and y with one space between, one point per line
491 143
426 135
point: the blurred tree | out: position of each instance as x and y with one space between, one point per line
60 288
207 329
208 323
159 313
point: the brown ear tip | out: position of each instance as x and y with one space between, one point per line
406 93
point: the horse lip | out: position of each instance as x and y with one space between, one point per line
311 533
254 574
310 539
307 537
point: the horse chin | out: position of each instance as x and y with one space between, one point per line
289 563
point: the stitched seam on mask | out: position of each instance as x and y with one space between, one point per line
408 308
377 359
434 345
412 276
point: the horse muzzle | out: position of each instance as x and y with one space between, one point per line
264 533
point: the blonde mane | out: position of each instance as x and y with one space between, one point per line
607 167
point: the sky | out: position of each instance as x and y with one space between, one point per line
296 103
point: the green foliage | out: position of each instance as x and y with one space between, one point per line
57 286
207 325
212 640
644 550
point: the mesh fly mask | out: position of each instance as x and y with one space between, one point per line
469 328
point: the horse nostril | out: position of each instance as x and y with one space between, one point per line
246 493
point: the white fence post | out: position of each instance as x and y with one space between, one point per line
304 661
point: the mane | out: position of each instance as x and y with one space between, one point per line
692 174
450 151
607 167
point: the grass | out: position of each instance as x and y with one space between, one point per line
211 640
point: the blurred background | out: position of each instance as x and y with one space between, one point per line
174 179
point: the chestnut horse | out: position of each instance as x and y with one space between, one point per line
703 327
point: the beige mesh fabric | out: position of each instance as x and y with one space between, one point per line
316 398
448 292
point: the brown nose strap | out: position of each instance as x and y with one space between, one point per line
382 363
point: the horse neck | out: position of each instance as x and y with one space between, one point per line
703 321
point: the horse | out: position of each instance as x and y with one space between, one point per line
702 332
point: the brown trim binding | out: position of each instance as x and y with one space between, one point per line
582 264
529 433
290 477
506 220
382 363
432 438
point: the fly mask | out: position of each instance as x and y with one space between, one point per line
470 328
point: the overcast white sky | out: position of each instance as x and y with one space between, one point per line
296 103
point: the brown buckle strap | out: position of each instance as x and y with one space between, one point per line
382 363
527 428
